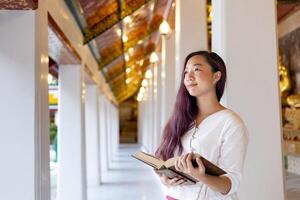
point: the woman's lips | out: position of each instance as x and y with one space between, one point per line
191 85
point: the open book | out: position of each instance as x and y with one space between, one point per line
168 167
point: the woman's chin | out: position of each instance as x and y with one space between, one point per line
193 94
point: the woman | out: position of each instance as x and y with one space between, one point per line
200 124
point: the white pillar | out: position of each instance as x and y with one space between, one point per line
146 117
155 111
149 115
92 135
113 135
24 119
103 137
245 35
141 108
191 31
116 138
109 133
112 130
218 36
71 136
168 93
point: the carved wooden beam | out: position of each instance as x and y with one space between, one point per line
287 1
18 4
112 19
130 44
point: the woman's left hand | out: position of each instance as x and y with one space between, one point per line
184 164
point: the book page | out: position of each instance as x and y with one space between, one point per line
150 159
170 162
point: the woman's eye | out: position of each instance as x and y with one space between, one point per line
197 69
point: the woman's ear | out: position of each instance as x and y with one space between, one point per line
217 76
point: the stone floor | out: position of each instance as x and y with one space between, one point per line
129 179
292 186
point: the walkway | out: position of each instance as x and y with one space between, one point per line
128 180
292 186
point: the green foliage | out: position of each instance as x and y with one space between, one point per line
53 132
286 164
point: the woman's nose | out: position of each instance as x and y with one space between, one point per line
190 76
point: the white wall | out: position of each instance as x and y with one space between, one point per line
71 174
114 123
103 136
24 144
92 135
146 118
168 72
109 134
245 36
191 31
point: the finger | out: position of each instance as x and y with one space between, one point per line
164 180
179 164
176 165
189 161
183 161
173 180
164 177
180 182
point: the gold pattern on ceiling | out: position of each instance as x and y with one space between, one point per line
121 34
18 4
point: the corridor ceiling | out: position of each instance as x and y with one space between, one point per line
18 4
121 35
285 7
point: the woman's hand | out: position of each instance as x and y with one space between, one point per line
220 184
184 164
170 182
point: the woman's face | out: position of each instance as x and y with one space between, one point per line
199 79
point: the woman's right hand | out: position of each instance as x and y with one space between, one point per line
170 181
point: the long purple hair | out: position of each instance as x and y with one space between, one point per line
186 109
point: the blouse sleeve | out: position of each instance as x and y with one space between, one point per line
232 154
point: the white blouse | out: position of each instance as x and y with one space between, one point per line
222 138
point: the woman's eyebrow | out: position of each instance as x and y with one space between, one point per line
194 65
197 64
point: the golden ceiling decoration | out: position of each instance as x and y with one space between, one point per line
121 35
18 4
